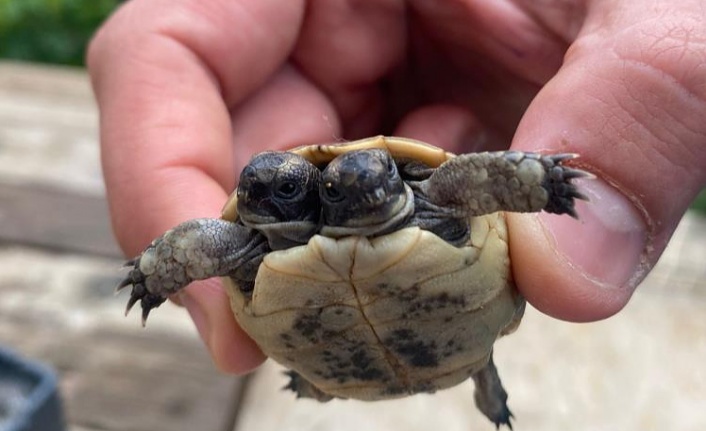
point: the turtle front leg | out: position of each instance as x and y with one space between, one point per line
490 396
482 183
194 250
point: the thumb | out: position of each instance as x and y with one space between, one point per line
635 117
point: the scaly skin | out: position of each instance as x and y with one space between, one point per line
490 396
482 183
278 207
194 250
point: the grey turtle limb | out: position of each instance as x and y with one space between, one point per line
490 396
194 250
304 388
482 183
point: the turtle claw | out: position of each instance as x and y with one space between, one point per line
147 300
503 418
127 281
570 174
558 183
304 388
136 279
150 302
561 157
130 303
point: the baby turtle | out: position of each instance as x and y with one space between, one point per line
373 269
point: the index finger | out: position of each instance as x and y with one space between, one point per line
166 74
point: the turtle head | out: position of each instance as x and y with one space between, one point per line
361 191
280 187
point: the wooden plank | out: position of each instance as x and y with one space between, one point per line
51 187
57 219
114 375
57 295
48 128
114 380
642 369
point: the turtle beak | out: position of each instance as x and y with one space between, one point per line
376 197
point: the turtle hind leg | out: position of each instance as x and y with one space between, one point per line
490 396
304 388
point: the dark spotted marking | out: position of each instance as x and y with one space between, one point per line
412 348
353 362
308 326
424 307
410 294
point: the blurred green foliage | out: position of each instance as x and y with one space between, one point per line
699 203
50 31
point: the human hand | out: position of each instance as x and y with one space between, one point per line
189 90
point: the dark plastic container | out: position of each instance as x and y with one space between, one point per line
29 396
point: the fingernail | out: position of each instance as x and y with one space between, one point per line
608 240
197 315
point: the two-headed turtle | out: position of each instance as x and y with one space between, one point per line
372 269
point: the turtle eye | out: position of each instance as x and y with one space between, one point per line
391 167
332 194
287 190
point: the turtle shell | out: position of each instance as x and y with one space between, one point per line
383 317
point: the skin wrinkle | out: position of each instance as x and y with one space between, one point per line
170 125
471 85
658 155
675 151
201 37
563 18
663 58
671 140
288 98
353 87
621 130
181 42
523 46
